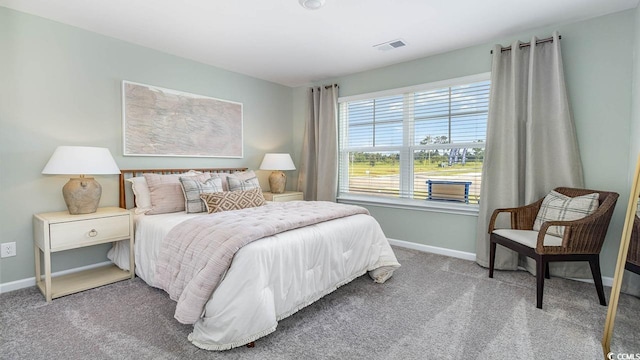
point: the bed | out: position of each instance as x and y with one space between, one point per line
266 280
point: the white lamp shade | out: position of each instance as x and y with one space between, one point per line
277 162
81 160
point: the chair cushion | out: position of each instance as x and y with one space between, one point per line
557 206
528 237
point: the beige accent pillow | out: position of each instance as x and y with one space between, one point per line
557 206
166 191
232 200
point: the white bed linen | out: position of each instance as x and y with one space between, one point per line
271 278
149 232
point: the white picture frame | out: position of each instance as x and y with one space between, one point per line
164 122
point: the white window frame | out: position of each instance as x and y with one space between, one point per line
406 152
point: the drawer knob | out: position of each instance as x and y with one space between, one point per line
93 233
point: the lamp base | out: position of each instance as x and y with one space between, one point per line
82 195
277 182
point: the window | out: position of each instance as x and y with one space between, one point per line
425 142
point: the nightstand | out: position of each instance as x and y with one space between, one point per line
285 196
59 231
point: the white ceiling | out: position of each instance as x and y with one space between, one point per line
279 41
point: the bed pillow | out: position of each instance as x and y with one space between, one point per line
166 191
141 194
243 181
232 200
192 187
556 206
223 179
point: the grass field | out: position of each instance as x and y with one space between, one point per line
383 177
383 168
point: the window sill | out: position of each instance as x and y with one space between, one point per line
412 204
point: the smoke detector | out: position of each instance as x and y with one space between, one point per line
311 4
390 45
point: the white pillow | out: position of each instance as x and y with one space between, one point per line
141 194
556 206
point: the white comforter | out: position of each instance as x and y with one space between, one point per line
272 278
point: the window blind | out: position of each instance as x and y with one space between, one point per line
414 144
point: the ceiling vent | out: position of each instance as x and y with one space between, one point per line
390 45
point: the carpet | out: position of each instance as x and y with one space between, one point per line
434 307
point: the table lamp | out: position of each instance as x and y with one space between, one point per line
81 194
277 163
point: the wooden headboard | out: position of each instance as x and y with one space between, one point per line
126 174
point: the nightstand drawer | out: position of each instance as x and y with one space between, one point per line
85 232
288 197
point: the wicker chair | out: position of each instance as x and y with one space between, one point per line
633 256
582 238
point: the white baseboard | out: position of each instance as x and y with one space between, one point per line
606 281
434 249
25 283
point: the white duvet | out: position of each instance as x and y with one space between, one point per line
271 278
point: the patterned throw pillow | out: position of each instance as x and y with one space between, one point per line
232 200
192 187
556 206
236 184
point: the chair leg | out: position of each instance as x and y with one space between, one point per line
547 273
597 279
492 257
540 274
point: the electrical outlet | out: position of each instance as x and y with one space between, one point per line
8 249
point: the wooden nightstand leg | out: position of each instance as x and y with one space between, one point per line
36 256
47 275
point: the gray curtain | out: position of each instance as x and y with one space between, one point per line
531 141
318 177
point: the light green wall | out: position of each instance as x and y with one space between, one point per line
60 85
597 57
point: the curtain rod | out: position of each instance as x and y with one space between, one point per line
326 86
529 43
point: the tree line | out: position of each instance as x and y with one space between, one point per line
424 157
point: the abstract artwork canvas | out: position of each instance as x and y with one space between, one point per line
163 122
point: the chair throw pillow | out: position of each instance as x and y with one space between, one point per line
556 206
192 187
232 200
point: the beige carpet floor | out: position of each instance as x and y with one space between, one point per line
435 307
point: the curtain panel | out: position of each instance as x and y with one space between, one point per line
531 142
318 177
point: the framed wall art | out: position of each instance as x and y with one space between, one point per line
163 122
